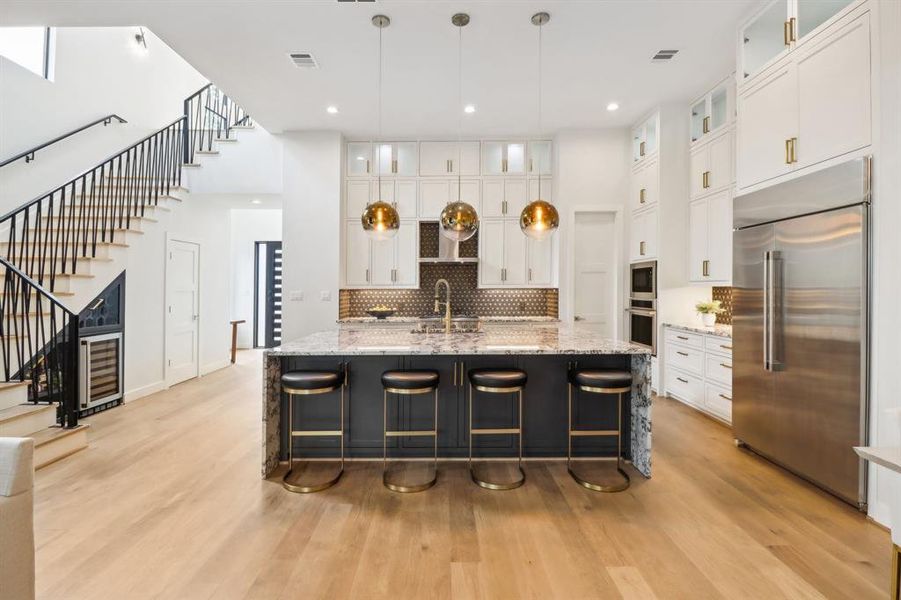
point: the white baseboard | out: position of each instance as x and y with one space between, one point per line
214 366
145 390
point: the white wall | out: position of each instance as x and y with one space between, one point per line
591 170
247 227
311 232
99 71
886 217
252 166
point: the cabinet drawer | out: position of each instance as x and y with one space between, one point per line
685 386
685 358
718 369
685 338
720 345
718 401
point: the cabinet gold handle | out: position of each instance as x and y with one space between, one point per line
786 32
394 166
706 126
706 179
682 380
530 166
641 196
725 366
788 151
504 165
793 29
794 147
530 273
705 268
641 248
367 165
455 373
641 149
367 275
725 397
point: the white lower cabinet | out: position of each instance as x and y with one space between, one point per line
507 258
698 371
381 264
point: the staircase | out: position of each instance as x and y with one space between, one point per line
61 249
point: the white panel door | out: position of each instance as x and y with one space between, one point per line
357 196
594 300
651 233
720 163
699 164
719 236
767 117
182 311
387 191
382 253
491 252
652 183
492 198
834 94
516 158
405 197
406 157
697 240
638 189
433 197
541 261
515 266
434 158
356 254
516 193
406 265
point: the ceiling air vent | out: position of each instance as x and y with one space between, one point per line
664 55
303 60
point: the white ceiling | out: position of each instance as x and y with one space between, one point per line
595 52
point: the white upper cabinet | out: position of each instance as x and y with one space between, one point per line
811 107
356 254
503 158
400 192
547 190
713 111
359 159
540 157
406 259
448 158
643 235
396 159
710 238
541 266
711 166
644 138
491 252
515 255
813 13
507 258
503 197
645 185
434 194
356 197
384 263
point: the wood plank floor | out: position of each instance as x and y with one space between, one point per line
167 503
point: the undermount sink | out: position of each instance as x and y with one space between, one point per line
459 324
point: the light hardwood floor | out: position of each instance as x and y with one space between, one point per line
167 503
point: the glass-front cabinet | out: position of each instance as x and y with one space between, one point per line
540 157
781 26
503 158
644 139
359 159
712 111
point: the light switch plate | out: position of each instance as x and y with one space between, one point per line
325 295
295 296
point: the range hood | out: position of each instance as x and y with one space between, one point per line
448 252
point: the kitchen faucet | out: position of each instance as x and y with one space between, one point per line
446 303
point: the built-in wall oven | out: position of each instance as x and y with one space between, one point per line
642 308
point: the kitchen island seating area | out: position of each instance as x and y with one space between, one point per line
494 398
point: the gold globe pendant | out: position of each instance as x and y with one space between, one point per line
380 220
459 221
539 220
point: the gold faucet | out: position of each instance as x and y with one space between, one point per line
446 303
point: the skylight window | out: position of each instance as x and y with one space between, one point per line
29 47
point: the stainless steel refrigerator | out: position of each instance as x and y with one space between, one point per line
800 330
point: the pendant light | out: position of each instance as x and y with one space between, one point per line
380 218
539 219
459 221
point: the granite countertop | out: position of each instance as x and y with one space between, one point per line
720 330
537 338
389 320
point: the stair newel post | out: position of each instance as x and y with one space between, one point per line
71 375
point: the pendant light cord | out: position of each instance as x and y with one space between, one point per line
540 27
378 143
460 113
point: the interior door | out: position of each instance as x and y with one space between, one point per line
182 311
819 383
273 294
754 411
594 301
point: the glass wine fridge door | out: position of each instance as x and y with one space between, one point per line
101 364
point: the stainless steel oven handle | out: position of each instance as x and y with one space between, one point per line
643 313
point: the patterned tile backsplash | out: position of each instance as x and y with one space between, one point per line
466 297
724 295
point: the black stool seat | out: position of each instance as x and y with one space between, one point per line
310 380
410 380
600 378
497 378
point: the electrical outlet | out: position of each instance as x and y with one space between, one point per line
295 296
325 296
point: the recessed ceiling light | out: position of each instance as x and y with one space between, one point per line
612 106
469 109
332 110
256 201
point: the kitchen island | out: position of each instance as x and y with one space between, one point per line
544 350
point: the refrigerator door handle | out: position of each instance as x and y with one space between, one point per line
767 323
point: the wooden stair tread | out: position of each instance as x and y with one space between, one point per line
51 434
23 410
57 294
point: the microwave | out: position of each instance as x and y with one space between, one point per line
643 281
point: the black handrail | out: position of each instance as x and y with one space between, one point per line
28 155
39 343
212 115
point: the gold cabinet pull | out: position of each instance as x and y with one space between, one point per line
394 166
793 29
705 268
641 149
794 155
530 166
641 248
706 125
504 165
788 151
367 165
455 373
641 196
786 33
367 275
530 273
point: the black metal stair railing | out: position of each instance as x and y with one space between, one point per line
39 343
211 115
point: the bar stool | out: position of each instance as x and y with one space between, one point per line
409 383
306 383
497 381
599 381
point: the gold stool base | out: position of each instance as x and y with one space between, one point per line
409 489
597 487
309 489
489 485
